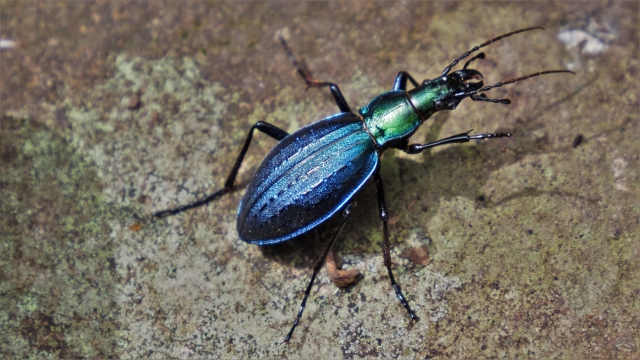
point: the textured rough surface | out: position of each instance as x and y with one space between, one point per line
112 110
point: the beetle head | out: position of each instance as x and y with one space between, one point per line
460 83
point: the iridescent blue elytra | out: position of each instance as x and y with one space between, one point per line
314 173
306 178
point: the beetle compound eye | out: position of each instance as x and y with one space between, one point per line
439 105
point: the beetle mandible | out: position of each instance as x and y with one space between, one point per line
313 173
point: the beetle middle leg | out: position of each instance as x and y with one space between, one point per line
346 214
271 130
311 82
385 244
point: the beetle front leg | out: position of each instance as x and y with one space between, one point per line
346 213
271 130
311 82
460 138
385 244
401 81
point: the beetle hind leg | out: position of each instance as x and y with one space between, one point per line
271 130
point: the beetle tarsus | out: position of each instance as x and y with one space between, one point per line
386 247
311 82
196 203
346 214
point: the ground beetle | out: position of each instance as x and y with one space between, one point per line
313 173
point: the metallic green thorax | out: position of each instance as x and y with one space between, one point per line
397 114
390 116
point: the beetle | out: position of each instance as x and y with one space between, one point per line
313 173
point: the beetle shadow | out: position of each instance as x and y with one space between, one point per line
455 170
303 251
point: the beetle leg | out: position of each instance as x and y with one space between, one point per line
311 82
401 81
346 213
271 130
385 244
460 138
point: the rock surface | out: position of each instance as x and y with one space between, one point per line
112 110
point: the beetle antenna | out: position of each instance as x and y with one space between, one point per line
476 48
511 81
